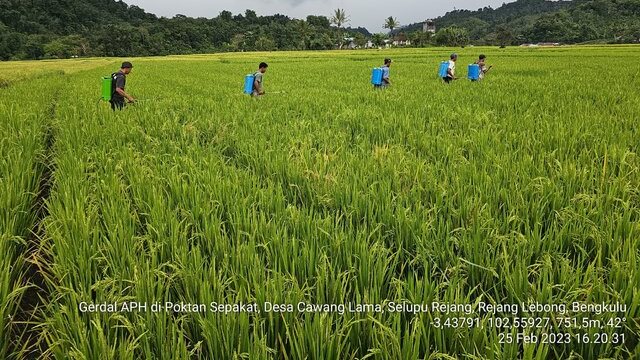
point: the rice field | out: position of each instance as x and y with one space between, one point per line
13 71
327 220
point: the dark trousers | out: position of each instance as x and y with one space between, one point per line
117 104
447 79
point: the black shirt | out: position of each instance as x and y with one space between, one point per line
118 81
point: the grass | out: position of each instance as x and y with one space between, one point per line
523 188
13 71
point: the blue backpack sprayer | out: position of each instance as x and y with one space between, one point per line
376 76
248 83
474 72
443 70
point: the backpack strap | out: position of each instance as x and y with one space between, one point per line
113 83
255 74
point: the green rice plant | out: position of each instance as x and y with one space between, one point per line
520 188
25 115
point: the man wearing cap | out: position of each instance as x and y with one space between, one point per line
385 74
451 71
118 83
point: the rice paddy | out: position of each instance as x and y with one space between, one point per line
326 220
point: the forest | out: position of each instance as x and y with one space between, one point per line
46 29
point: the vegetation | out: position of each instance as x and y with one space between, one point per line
520 188
62 29
391 23
452 36
339 19
533 21
55 29
14 71
26 112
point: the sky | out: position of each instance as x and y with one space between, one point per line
367 13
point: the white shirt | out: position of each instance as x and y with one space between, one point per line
452 67
483 68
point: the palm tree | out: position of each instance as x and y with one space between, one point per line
305 31
339 19
391 23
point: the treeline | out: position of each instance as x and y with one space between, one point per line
38 29
533 21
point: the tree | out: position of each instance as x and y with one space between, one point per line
250 16
504 36
265 43
225 15
452 36
250 40
321 42
10 44
304 31
321 22
65 47
237 43
61 28
34 47
57 49
477 28
378 39
419 38
558 27
78 44
339 19
391 23
360 40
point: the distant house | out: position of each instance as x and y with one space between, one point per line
429 26
545 44
401 40
350 43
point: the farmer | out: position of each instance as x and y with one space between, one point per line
258 89
118 82
451 70
385 74
483 66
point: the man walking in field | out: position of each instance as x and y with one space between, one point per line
483 66
386 81
118 83
258 89
451 70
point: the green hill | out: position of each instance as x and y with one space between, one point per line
38 29
546 21
65 17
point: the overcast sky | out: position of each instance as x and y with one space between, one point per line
367 13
